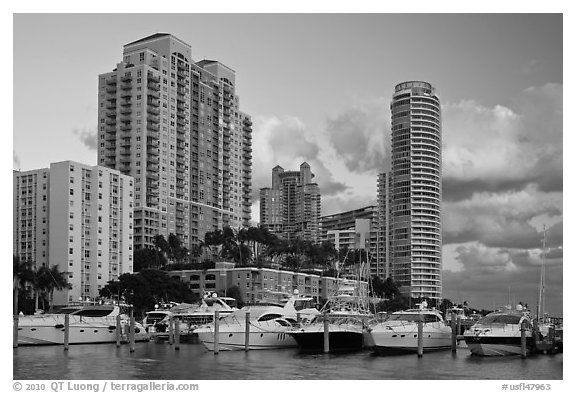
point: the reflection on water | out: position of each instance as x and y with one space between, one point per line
153 361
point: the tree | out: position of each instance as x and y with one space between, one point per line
147 288
147 258
52 279
235 292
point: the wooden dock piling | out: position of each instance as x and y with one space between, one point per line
420 335
15 332
247 334
132 333
326 333
177 334
170 330
216 331
454 333
66 331
118 330
523 340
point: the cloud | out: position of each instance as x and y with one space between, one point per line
15 160
286 141
358 135
502 219
500 148
87 137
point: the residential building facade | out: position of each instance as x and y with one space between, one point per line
175 126
261 285
411 193
83 218
291 207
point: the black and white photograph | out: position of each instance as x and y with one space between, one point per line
255 196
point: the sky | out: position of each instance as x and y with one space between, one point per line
318 88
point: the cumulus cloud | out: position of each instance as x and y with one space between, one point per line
500 148
358 135
287 142
88 137
500 219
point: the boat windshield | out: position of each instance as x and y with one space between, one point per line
301 304
412 318
97 312
504 319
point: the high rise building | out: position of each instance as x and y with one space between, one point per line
291 207
77 217
175 126
411 193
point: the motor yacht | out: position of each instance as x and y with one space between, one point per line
87 324
398 333
269 326
499 333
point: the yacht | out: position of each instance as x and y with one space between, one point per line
398 333
269 326
499 333
347 323
87 324
192 316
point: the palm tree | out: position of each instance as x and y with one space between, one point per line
58 282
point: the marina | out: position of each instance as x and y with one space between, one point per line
159 361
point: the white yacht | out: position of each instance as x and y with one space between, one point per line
268 327
398 333
190 316
499 333
87 324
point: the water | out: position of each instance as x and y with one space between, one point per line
159 361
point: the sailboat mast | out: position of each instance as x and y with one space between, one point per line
542 278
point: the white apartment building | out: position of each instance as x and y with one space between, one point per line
82 218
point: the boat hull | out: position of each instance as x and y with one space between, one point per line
51 332
390 344
496 346
339 341
230 340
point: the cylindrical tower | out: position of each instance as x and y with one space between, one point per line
416 190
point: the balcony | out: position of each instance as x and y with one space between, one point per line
126 127
153 110
126 94
127 102
154 103
154 119
126 110
153 86
111 122
111 106
153 168
153 151
125 160
154 94
153 176
126 78
152 160
111 82
126 86
111 89
125 119
124 152
153 78
152 126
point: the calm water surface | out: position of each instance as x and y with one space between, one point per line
158 361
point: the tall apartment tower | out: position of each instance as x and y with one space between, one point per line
175 126
414 191
291 207
79 218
